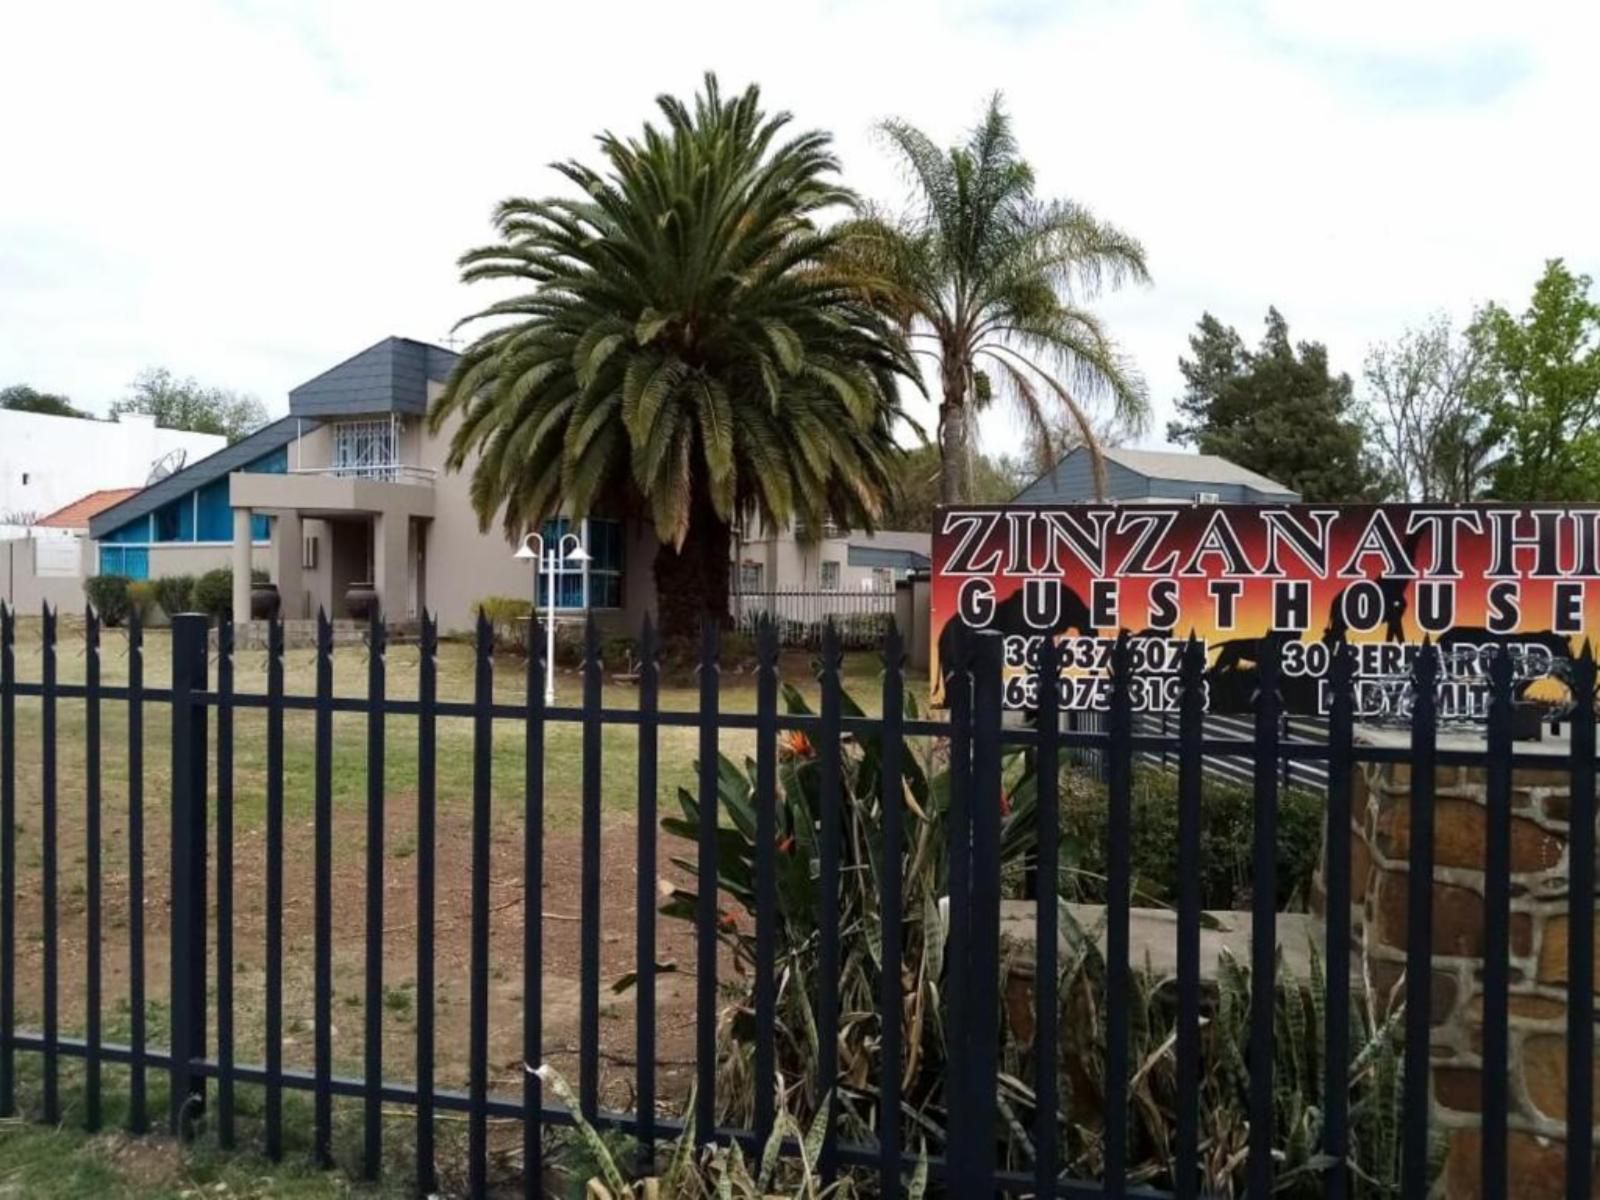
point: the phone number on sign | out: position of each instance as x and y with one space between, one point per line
1162 656
1086 693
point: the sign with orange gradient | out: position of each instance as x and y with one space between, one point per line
1475 580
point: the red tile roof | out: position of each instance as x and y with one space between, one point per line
76 515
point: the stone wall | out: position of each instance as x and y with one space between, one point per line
1379 845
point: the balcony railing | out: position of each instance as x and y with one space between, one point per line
383 473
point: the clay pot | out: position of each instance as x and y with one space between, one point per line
360 599
264 601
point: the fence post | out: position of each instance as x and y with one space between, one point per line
190 651
984 927
8 860
958 1093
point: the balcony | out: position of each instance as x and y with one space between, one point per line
332 492
382 473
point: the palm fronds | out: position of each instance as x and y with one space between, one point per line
985 270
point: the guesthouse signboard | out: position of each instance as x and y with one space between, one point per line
1474 580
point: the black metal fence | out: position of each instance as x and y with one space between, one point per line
860 616
202 1052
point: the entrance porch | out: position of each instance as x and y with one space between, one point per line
330 534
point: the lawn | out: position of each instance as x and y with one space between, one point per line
562 923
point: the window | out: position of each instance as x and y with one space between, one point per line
174 521
130 561
830 575
1206 498
136 532
604 541
882 579
750 578
600 579
365 448
202 514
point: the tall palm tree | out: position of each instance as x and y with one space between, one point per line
688 347
992 282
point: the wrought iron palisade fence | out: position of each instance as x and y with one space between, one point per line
199 1055
860 616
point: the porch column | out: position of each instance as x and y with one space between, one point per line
241 564
389 566
287 553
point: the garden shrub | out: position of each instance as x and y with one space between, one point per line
1227 827
175 593
142 598
1376 1091
504 614
109 595
213 591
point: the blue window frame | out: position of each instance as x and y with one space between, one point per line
601 578
201 515
134 531
174 521
130 561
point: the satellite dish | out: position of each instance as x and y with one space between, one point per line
169 463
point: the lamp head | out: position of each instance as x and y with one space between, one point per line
578 555
526 550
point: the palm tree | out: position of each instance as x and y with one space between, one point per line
688 347
995 279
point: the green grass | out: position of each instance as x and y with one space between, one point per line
677 745
65 1160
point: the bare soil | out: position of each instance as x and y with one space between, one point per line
564 928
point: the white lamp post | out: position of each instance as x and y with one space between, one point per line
550 564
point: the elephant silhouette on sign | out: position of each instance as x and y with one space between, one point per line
1008 619
1232 677
1395 602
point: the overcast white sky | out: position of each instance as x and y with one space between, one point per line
249 192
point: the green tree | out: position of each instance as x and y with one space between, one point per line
1545 415
689 346
1276 410
185 404
991 282
995 480
20 397
1428 393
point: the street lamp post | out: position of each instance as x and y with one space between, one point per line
550 564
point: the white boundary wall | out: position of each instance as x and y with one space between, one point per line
48 462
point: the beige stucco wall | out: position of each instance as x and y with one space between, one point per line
179 558
26 591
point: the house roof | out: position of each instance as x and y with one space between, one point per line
196 475
896 548
388 376
1189 468
76 515
893 539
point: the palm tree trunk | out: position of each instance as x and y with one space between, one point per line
952 448
692 582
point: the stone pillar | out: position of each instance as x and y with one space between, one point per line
1379 845
390 574
241 565
287 553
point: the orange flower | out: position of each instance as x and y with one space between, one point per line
796 744
786 844
1005 804
728 921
